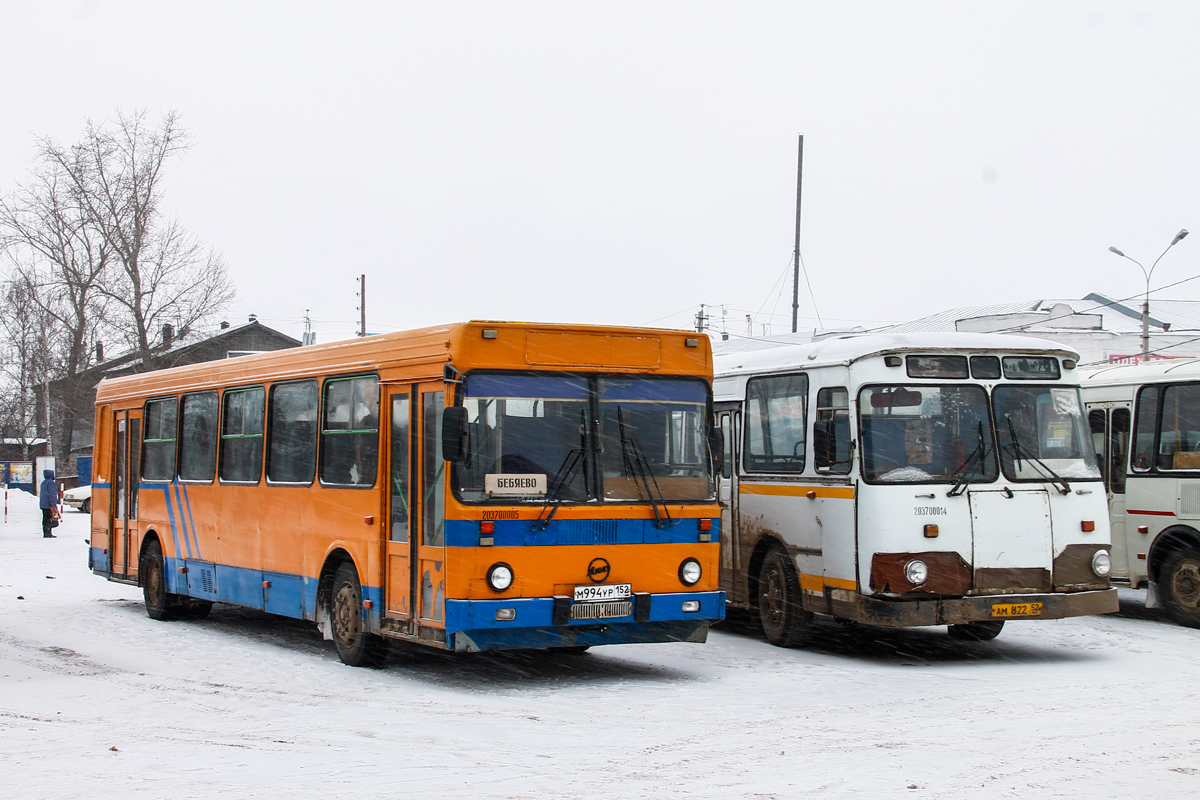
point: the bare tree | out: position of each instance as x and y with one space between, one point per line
162 273
25 362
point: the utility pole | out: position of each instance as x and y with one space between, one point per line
309 336
362 304
796 252
701 320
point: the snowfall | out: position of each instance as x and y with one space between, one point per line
97 701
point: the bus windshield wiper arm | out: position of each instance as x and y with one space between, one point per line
554 492
979 452
1018 448
638 467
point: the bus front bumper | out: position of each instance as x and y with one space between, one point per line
546 622
956 611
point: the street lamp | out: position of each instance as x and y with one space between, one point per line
1146 302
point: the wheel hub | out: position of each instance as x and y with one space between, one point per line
1185 584
345 615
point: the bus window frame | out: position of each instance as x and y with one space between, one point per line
316 443
595 489
180 441
262 437
804 428
1159 414
175 441
325 381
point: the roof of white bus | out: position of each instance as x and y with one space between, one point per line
1150 372
846 349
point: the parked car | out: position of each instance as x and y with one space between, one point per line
79 498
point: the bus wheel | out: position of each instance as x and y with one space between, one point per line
783 618
1181 575
355 646
983 631
159 604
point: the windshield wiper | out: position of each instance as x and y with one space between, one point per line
979 452
638 467
554 493
1017 449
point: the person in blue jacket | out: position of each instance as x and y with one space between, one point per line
48 500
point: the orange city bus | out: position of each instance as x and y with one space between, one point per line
475 486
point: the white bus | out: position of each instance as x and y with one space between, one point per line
905 480
1145 423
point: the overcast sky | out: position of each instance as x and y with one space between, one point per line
623 162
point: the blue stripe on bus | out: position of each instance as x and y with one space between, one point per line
538 612
678 390
191 521
581 636
518 533
182 521
527 386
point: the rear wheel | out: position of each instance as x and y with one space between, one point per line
355 645
780 609
1181 586
983 631
159 604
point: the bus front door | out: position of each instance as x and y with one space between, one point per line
399 544
727 496
431 552
123 532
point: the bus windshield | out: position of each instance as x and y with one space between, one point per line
1043 434
580 438
926 434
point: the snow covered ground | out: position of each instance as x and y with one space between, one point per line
98 701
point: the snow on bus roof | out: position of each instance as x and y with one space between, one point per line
845 349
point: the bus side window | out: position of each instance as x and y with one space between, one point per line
292 433
158 461
242 435
831 431
1144 428
198 445
1179 437
399 468
776 411
1096 426
1118 450
350 431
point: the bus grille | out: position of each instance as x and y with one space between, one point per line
621 608
586 531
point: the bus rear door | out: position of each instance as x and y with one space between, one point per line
123 530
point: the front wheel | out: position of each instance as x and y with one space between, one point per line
355 645
159 603
982 631
1181 586
86 506
780 608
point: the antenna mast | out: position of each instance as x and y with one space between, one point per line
362 305
796 252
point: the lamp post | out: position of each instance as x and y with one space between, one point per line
1146 301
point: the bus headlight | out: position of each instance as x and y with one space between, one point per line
500 577
916 572
1101 564
689 572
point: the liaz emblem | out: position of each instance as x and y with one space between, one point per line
598 570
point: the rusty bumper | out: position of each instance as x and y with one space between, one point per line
913 613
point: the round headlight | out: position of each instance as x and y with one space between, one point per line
1102 564
689 572
500 577
916 572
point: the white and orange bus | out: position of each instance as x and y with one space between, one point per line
906 480
477 486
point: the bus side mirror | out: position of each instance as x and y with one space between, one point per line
454 434
716 446
823 444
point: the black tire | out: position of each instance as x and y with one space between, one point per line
159 603
982 631
1180 586
86 506
780 611
356 647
